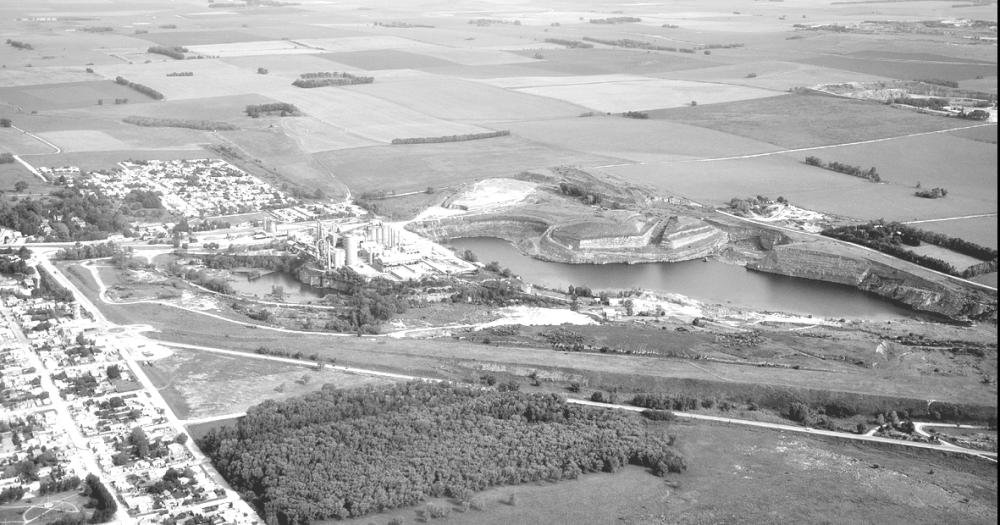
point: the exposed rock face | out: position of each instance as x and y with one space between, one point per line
512 228
682 233
950 299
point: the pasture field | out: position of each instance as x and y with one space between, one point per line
716 182
461 100
986 134
313 135
44 75
253 48
802 121
184 37
13 141
987 84
905 66
367 116
289 67
777 75
980 230
84 140
374 60
45 97
967 169
212 78
746 475
229 108
413 167
605 61
989 279
11 173
95 160
647 94
636 139
958 260
202 384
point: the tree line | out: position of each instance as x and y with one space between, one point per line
145 90
871 174
615 20
346 453
19 45
153 122
326 78
181 74
569 43
893 238
175 52
282 108
453 138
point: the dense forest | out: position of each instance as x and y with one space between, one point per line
893 238
337 453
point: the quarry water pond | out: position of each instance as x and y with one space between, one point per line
711 282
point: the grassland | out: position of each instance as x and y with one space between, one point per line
200 385
802 121
44 97
647 94
447 164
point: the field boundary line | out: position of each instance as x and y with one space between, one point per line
828 146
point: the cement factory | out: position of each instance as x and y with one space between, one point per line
371 249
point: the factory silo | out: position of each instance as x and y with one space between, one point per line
351 244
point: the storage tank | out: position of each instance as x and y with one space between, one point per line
339 258
351 243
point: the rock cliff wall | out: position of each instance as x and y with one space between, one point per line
951 299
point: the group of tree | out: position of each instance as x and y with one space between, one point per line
81 251
175 52
615 20
346 453
939 82
871 174
6 123
15 265
635 44
636 114
6 158
49 288
283 109
569 43
933 193
153 122
19 45
145 90
324 79
402 25
894 239
453 138
70 214
181 74
103 502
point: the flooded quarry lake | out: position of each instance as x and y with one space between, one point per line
711 282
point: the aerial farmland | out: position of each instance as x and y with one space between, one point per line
496 261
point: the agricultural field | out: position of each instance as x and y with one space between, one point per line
44 97
413 167
803 121
372 60
980 230
905 66
647 94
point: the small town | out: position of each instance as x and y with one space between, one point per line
77 409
